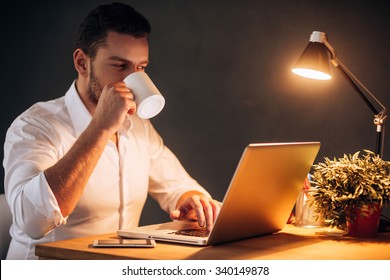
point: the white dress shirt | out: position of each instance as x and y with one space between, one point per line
116 191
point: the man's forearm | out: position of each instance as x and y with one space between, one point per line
69 176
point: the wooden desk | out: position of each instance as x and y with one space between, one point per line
290 243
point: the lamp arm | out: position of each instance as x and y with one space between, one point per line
351 79
355 83
380 116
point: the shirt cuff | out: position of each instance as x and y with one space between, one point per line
44 200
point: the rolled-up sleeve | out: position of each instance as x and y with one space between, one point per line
168 178
28 152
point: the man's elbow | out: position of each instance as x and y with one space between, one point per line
36 231
37 227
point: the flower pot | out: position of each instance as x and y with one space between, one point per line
364 221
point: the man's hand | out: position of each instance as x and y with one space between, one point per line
114 103
197 206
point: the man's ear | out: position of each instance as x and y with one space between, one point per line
80 59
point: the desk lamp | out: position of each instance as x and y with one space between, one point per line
314 64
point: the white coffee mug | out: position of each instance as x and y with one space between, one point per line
148 98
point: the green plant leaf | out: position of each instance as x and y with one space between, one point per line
349 181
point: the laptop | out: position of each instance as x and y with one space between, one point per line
258 201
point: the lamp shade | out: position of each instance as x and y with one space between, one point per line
314 62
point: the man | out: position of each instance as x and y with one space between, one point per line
84 163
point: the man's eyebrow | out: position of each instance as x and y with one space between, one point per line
121 59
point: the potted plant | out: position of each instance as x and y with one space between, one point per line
349 192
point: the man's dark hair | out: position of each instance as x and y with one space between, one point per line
116 17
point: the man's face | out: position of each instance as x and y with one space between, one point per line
114 61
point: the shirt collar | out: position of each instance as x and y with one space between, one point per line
80 115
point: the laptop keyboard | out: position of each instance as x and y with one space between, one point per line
198 232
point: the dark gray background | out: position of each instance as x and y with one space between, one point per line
224 69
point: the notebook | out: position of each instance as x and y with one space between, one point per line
258 201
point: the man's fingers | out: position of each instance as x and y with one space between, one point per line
175 214
216 205
208 212
196 204
205 210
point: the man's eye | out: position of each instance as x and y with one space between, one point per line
141 67
119 66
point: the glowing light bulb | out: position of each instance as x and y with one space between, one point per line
311 74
